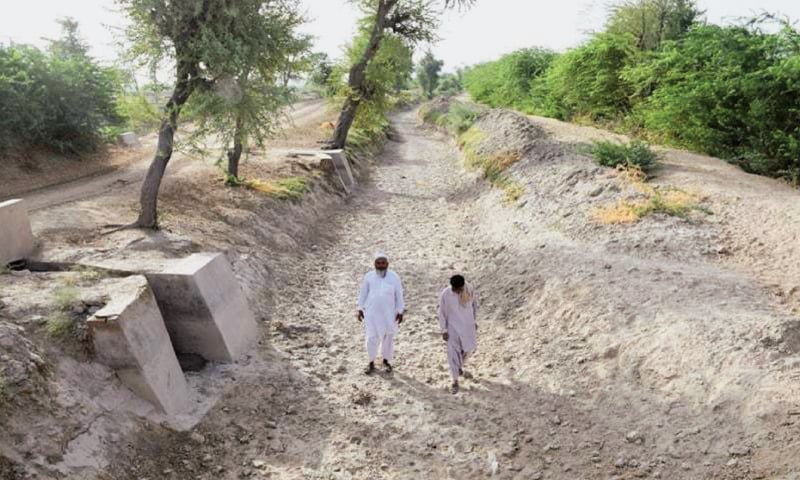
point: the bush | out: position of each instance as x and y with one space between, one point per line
731 92
509 81
139 113
634 154
57 101
587 81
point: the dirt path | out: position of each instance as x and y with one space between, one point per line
591 364
131 175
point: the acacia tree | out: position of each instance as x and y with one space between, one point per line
428 73
206 40
653 22
245 105
411 20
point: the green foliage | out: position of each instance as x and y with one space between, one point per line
386 76
320 73
512 81
428 73
587 81
732 92
244 104
61 322
60 99
634 154
140 114
653 22
450 85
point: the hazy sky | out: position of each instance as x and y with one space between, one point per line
491 28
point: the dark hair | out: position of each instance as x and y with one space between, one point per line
457 281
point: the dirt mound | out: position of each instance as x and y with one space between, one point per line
506 131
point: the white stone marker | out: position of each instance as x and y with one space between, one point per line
129 336
16 238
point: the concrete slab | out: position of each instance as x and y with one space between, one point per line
16 237
129 336
129 139
204 309
340 163
342 167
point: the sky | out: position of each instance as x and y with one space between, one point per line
490 29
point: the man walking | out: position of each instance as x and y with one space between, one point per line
380 308
457 311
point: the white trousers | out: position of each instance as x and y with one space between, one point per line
387 347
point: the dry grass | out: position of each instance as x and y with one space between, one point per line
291 188
671 201
494 165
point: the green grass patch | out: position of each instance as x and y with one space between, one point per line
62 323
633 154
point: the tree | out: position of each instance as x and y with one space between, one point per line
412 20
428 73
246 104
207 40
321 69
652 22
70 44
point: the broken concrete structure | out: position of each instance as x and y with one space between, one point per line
204 309
342 168
129 336
338 158
16 237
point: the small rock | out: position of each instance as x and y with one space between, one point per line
739 451
20 273
634 437
620 462
208 458
686 466
197 438
258 463
732 462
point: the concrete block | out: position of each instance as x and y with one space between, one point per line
342 167
129 336
204 309
340 164
16 237
129 139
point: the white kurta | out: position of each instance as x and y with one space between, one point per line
381 300
459 323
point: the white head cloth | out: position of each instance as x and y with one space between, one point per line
380 255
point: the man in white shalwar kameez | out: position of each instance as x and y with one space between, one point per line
380 308
458 308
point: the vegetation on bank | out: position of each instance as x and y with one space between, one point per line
58 98
459 119
660 72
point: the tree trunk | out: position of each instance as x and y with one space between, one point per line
148 200
235 153
357 77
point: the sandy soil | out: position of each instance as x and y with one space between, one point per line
664 349
598 359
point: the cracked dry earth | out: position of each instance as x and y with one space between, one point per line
555 393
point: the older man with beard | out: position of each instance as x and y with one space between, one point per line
380 308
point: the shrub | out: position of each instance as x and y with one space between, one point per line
57 99
732 92
634 154
508 81
587 81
